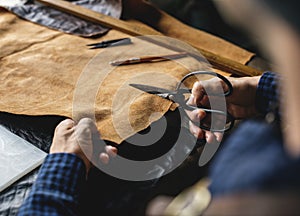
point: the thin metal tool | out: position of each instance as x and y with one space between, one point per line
143 59
110 43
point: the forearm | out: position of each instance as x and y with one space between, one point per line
57 188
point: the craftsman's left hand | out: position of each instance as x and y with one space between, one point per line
80 139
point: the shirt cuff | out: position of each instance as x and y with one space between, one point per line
267 93
62 172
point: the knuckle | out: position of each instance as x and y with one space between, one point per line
196 87
197 114
68 121
83 129
86 121
63 124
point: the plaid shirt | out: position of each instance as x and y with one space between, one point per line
267 93
58 187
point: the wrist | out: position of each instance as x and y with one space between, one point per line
253 82
80 155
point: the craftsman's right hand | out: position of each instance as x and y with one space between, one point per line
80 139
240 104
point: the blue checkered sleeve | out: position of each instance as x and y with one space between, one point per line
267 94
57 188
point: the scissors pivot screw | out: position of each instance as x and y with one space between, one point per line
172 97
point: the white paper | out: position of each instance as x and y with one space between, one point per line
17 157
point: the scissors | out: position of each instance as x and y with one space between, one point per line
179 97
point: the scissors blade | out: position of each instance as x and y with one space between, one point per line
164 93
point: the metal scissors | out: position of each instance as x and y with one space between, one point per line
179 96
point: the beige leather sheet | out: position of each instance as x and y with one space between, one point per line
44 72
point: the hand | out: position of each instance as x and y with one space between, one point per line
80 139
240 104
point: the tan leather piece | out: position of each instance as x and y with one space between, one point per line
42 70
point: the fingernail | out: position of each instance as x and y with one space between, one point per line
112 151
200 114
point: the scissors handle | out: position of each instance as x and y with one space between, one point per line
214 74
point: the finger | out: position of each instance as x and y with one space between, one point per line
65 124
210 137
87 126
83 132
218 136
198 92
87 122
104 158
196 131
196 115
111 151
191 101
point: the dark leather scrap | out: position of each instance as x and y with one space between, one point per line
52 18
